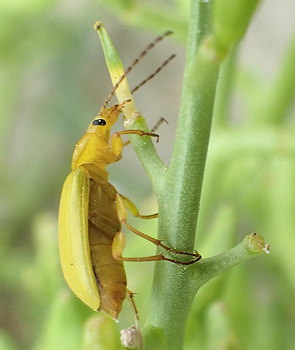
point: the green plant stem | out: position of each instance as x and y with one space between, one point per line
148 156
185 175
199 27
252 245
172 293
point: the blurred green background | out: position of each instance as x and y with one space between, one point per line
53 80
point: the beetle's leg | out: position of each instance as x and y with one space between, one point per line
126 143
137 132
132 335
124 202
117 142
119 244
117 145
157 242
153 129
130 296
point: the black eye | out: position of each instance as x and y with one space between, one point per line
99 122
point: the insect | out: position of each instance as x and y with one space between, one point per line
92 212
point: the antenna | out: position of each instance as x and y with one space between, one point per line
134 63
153 74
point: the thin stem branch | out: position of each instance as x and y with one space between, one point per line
206 269
143 146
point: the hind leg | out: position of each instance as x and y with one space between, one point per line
119 241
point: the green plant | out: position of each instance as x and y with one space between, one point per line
178 187
50 91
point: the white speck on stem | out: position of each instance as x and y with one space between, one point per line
266 249
130 338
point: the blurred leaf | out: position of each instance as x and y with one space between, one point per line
64 324
101 332
219 331
5 342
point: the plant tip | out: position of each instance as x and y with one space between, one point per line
266 248
97 25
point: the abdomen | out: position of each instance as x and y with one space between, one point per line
103 225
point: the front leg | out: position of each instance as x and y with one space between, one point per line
116 146
117 142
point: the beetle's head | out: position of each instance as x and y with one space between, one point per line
107 116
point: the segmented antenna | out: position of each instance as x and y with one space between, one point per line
134 63
153 74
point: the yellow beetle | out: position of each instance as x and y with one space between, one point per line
91 213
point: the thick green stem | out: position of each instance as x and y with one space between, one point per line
184 179
172 293
199 26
